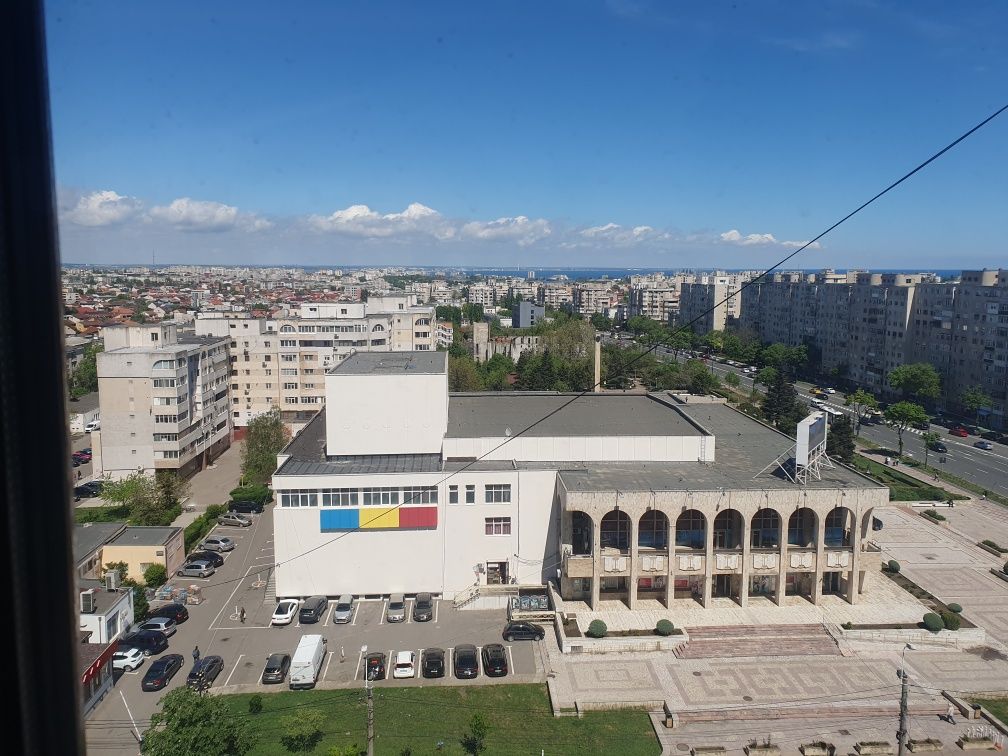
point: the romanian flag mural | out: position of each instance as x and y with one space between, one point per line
378 518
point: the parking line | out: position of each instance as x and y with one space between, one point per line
511 668
450 665
389 664
330 608
408 608
479 661
436 602
381 620
326 672
419 656
360 662
353 620
237 661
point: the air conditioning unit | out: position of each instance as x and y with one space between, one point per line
112 580
88 604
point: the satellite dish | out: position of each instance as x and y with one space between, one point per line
507 431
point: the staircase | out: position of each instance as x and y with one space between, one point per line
733 641
466 597
839 711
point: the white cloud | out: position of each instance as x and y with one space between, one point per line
519 228
796 244
614 233
103 208
361 220
734 237
187 214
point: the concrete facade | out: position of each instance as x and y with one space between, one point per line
140 546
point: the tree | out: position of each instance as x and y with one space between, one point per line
172 488
780 402
463 375
918 381
192 723
474 741
766 376
265 437
155 575
840 439
84 379
449 312
140 603
472 312
860 401
902 415
302 730
601 322
701 382
146 502
974 399
930 439
732 380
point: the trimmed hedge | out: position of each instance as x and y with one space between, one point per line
893 566
955 608
1005 568
951 620
597 629
933 622
934 515
993 545
260 494
199 527
664 627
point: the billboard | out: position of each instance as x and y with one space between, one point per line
811 433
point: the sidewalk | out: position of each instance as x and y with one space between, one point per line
212 485
879 456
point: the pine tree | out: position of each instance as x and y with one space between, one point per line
840 440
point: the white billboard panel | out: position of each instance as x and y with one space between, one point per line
811 433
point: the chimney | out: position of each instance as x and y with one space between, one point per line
598 362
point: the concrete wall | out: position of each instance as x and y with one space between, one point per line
109 624
171 555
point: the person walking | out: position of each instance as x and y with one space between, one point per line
950 714
242 615
195 656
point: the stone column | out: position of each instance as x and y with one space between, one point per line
782 566
746 562
708 562
820 558
852 577
596 564
670 578
634 550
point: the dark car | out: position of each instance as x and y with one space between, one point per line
465 661
245 507
423 608
214 557
921 425
161 672
177 612
151 642
313 609
494 660
523 631
204 672
276 668
432 662
374 666
938 446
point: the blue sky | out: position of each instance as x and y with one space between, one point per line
568 133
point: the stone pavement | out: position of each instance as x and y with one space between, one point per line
212 485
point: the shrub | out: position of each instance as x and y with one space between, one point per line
934 515
951 620
847 625
257 493
155 576
214 511
933 622
664 627
955 608
993 545
893 566
255 703
597 629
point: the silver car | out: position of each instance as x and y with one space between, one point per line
343 612
218 543
196 569
234 519
165 624
396 608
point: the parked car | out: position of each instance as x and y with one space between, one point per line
234 520
177 612
307 662
128 659
204 672
343 611
991 435
92 426
313 609
465 661
213 557
959 431
284 612
165 625
495 660
830 390
523 631
374 666
396 611
276 668
81 457
423 608
217 543
938 446
432 662
196 569
985 445
922 425
246 507
161 672
405 665
150 642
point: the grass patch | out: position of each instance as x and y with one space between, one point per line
901 487
996 706
519 716
113 513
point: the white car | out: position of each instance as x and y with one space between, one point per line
405 665
92 426
284 613
830 390
128 659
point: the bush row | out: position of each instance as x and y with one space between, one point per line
947 620
199 527
256 492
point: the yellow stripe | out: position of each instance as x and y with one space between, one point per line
384 517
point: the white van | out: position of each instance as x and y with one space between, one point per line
92 426
307 662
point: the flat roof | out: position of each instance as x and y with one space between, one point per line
145 535
392 363
500 414
87 537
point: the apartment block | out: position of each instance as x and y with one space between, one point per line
555 295
657 301
163 399
590 298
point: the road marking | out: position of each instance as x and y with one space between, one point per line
511 668
388 671
436 602
353 620
381 620
130 715
328 661
360 663
228 681
451 661
416 663
479 661
408 608
330 608
227 602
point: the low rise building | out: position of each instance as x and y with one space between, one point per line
140 546
526 314
95 663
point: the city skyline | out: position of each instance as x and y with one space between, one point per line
612 132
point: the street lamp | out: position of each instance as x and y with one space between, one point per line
903 734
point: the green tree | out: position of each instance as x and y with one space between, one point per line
140 603
265 437
679 341
463 375
155 576
84 379
474 741
121 567
902 415
974 399
172 488
917 381
780 402
766 376
302 730
143 498
840 439
190 723
732 380
601 322
860 401
715 340
929 439
473 313
449 312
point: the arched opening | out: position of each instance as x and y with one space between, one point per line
581 534
691 530
728 526
839 524
801 529
652 530
765 530
869 523
614 530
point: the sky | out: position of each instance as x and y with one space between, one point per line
619 133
